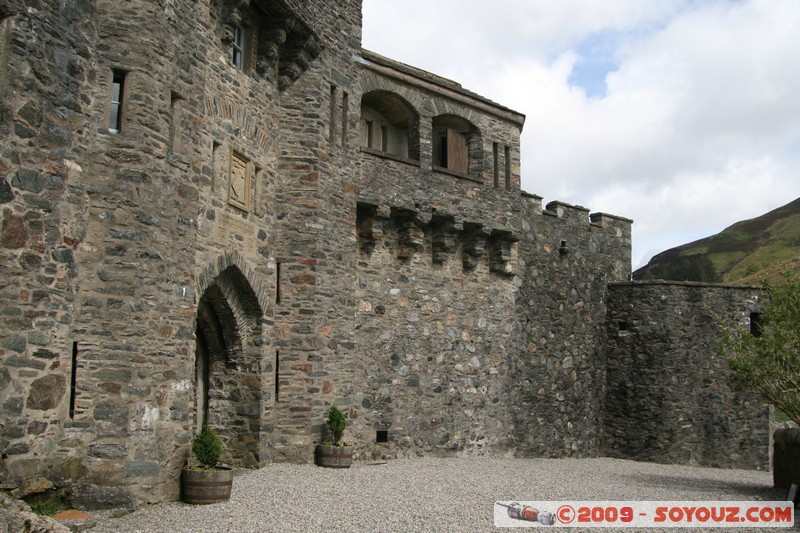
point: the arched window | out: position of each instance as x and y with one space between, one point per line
389 125
456 145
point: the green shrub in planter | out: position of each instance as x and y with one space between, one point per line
206 448
206 483
335 453
336 424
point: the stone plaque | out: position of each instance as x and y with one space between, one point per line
231 229
239 182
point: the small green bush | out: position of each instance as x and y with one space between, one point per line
207 447
336 424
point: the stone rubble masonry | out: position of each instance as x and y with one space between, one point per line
668 400
233 256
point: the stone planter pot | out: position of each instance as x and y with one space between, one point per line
334 456
206 486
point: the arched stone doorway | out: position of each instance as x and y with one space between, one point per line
229 374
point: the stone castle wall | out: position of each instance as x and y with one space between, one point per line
559 383
238 254
668 396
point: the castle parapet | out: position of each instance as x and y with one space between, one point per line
576 214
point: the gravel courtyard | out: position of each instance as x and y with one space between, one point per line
433 494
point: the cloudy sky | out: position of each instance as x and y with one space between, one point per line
683 115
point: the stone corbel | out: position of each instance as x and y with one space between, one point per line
410 231
501 252
370 225
475 235
443 238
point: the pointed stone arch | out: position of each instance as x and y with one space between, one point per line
229 374
234 259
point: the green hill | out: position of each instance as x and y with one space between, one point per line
746 252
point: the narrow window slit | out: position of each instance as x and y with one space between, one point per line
332 127
382 435
116 105
73 380
369 134
345 105
496 161
277 283
238 48
215 162
507 161
277 374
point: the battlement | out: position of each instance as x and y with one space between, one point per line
574 213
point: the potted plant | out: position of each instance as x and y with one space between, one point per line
335 453
206 482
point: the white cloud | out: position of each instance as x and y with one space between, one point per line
691 206
699 125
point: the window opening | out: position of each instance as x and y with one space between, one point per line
115 109
457 152
384 138
215 162
389 126
368 133
456 145
277 283
496 163
238 48
344 117
382 435
277 373
332 128
443 151
176 103
507 158
756 326
73 381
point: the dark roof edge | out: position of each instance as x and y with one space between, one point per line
439 81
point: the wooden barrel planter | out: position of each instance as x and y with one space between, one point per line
334 456
207 486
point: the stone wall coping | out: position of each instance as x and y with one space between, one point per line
787 436
401 71
526 194
698 284
600 215
555 204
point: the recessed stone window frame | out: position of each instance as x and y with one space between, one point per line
389 127
457 147
239 47
267 40
117 103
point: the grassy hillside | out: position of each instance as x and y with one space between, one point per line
746 252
